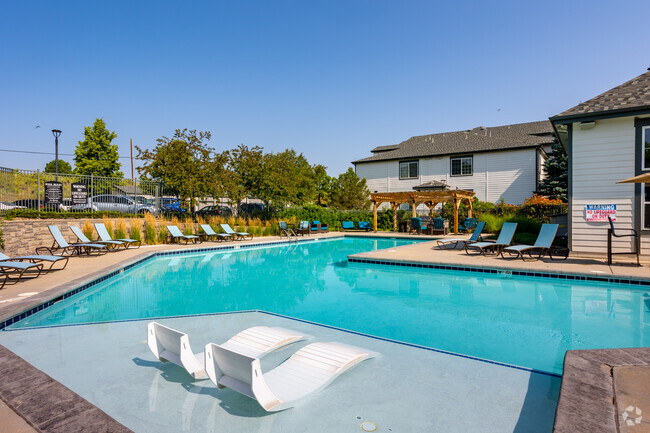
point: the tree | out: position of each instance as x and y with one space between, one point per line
323 185
556 181
64 167
243 174
350 192
95 154
286 177
185 164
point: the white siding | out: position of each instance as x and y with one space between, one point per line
508 174
600 157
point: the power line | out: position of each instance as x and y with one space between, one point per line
52 153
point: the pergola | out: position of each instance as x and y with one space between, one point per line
415 198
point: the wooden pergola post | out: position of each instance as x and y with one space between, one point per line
456 206
374 215
413 206
394 206
470 208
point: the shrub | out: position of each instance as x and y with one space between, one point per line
150 233
2 239
542 208
109 225
333 217
189 228
120 229
135 232
88 229
493 223
268 231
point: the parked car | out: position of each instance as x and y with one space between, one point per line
171 204
214 210
117 203
252 207
5 205
32 203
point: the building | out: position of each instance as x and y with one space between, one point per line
607 139
503 162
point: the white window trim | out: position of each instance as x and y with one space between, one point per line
451 163
643 206
399 168
644 131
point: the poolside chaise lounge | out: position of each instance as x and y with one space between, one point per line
170 345
307 371
39 258
4 277
105 237
61 244
210 233
476 237
467 225
235 235
285 230
543 243
19 267
504 240
84 239
317 226
178 236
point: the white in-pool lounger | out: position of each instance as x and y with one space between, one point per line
308 370
170 345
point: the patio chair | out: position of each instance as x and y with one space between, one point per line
285 230
440 227
318 227
37 259
170 345
105 237
417 226
505 238
235 235
542 245
467 225
307 371
19 267
84 239
60 244
365 225
303 228
636 242
177 236
210 233
347 225
476 237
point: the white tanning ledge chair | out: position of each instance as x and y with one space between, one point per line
170 345
308 370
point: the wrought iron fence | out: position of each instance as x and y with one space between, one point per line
49 192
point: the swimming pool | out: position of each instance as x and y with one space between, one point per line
524 321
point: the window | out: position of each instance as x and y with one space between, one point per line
462 166
645 139
408 170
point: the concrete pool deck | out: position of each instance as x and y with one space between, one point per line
16 298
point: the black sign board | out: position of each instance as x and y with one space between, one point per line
53 193
79 193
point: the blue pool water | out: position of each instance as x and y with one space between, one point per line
524 321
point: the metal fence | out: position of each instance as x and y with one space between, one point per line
49 192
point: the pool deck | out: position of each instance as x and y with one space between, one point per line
15 298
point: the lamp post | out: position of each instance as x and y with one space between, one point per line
56 134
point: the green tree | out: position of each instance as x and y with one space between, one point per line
323 185
244 171
286 178
556 181
64 167
350 192
185 164
95 154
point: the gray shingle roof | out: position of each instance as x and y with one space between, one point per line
631 95
480 139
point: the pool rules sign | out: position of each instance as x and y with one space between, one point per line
600 212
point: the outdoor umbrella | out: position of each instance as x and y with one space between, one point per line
642 178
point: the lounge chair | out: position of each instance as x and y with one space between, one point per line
170 345
467 225
177 236
235 235
476 237
37 259
19 267
317 226
105 237
416 225
60 244
308 370
4 280
504 240
84 239
365 225
440 227
347 225
303 228
285 230
543 243
210 233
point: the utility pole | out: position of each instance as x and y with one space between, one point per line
132 177
56 134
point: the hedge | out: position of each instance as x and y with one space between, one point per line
333 217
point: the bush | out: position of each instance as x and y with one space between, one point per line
542 208
2 239
120 229
33 213
109 225
136 229
88 229
333 217
150 233
493 224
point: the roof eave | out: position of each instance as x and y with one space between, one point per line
582 117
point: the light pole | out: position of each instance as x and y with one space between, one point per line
56 134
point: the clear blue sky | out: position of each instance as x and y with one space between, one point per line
331 79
